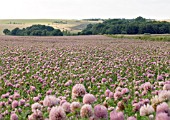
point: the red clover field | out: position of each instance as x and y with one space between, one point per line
84 78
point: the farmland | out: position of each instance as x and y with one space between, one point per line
146 37
84 77
73 26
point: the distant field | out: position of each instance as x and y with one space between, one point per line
71 25
150 37
168 20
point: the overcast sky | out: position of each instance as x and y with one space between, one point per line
81 9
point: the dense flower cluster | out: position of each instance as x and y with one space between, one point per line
83 77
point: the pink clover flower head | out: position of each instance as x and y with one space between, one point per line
78 91
22 102
116 115
131 118
74 106
51 101
36 106
146 110
100 112
36 115
166 87
160 77
86 111
14 116
162 116
107 92
89 99
15 104
117 95
57 113
66 107
16 95
32 88
163 107
125 91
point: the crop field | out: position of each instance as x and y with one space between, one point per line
73 26
146 37
168 20
84 78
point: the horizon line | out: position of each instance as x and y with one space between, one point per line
73 18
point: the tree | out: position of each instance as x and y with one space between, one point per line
140 19
35 30
139 25
6 31
15 31
56 33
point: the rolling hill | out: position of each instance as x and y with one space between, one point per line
62 24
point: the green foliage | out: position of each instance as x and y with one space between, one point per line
34 30
146 36
139 25
93 19
6 31
61 22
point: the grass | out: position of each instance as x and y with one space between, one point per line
161 37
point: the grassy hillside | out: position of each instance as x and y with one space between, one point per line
168 20
155 37
71 25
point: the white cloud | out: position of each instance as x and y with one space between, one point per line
77 9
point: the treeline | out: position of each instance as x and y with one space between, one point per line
94 19
61 22
34 30
139 25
